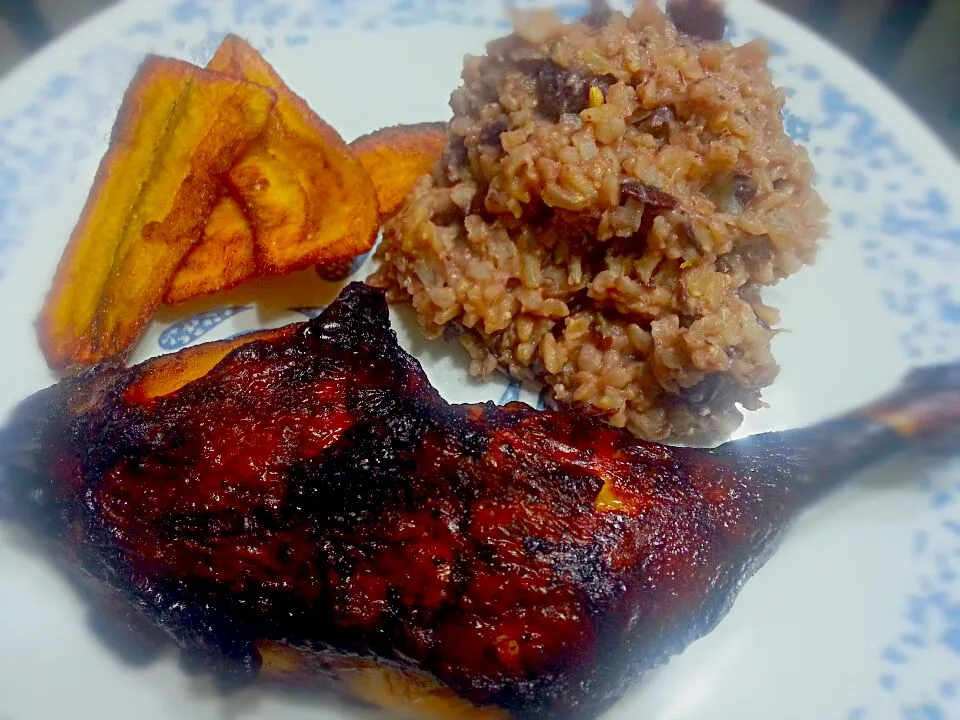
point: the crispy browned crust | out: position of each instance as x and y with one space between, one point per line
168 373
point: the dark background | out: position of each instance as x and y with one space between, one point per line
912 45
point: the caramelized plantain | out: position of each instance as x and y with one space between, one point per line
396 157
275 201
223 258
340 210
178 130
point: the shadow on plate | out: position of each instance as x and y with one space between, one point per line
273 297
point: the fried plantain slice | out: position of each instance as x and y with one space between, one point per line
224 257
275 201
341 213
179 128
396 157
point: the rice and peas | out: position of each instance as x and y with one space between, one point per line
613 196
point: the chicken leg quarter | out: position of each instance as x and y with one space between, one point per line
301 505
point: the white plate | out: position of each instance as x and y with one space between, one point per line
857 616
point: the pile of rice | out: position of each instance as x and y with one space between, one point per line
613 196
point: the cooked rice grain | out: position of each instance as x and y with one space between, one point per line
611 199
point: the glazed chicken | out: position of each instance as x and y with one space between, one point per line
301 505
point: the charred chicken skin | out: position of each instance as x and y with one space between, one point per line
302 504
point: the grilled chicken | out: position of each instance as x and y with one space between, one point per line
301 505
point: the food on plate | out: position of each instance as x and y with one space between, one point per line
212 177
168 373
309 198
702 19
303 506
396 157
612 198
299 197
224 257
337 271
178 130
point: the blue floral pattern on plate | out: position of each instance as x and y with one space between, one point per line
910 240
187 332
309 312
